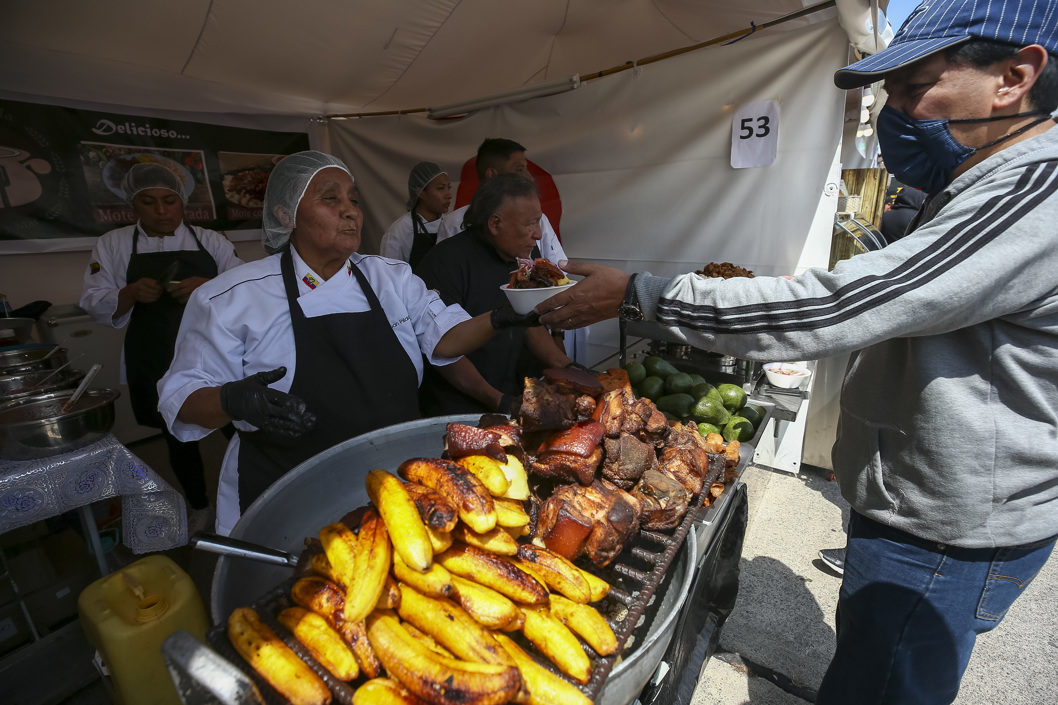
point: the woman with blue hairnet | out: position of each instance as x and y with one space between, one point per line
313 345
413 234
141 276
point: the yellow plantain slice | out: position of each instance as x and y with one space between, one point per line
274 660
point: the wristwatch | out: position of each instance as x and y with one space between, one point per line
629 309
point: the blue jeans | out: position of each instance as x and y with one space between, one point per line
910 610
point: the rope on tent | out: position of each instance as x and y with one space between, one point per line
725 39
753 25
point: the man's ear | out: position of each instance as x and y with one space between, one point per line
490 172
1020 73
494 223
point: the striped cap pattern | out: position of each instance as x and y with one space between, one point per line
939 24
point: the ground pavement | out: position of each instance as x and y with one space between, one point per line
778 641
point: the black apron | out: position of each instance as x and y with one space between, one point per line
151 337
422 239
353 374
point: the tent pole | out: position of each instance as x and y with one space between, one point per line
635 64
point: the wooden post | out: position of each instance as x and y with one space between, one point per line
870 185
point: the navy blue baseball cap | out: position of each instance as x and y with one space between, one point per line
939 24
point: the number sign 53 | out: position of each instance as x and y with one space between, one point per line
755 134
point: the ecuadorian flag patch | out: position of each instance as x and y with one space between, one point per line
94 268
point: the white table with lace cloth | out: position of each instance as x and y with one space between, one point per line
153 515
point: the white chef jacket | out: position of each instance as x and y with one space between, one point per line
104 276
239 324
550 247
398 240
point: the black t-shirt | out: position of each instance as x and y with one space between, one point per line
467 270
896 220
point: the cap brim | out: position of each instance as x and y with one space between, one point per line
894 56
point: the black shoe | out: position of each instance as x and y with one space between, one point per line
834 558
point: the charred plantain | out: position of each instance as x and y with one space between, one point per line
322 641
495 572
269 656
433 677
471 497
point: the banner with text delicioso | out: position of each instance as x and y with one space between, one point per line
61 169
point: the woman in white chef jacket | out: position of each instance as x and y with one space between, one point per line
340 335
124 285
413 234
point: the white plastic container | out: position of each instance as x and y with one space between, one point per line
525 300
128 614
786 374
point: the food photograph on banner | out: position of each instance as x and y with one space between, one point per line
61 171
105 165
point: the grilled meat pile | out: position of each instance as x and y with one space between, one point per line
537 274
610 464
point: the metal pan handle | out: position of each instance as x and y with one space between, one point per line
241 549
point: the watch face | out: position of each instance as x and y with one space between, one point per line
630 312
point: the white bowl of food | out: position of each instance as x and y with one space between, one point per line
534 281
786 374
525 300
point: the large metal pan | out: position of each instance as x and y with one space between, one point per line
35 427
25 384
327 486
26 358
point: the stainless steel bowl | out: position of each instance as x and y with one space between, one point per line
27 358
34 427
25 384
325 487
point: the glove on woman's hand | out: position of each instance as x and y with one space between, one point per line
252 400
505 317
509 405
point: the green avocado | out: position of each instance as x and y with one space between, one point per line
658 367
636 372
751 415
678 404
651 387
711 411
677 383
732 396
701 389
738 429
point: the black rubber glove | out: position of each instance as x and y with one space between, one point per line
509 405
270 410
505 317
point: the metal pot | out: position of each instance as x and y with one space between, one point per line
27 358
34 427
327 486
26 384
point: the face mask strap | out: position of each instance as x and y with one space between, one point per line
1016 132
997 118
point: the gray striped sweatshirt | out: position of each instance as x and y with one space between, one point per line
949 411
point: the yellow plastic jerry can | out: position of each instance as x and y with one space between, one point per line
128 614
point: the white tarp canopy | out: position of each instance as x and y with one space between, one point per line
328 57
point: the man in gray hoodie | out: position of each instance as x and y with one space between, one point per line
947 447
